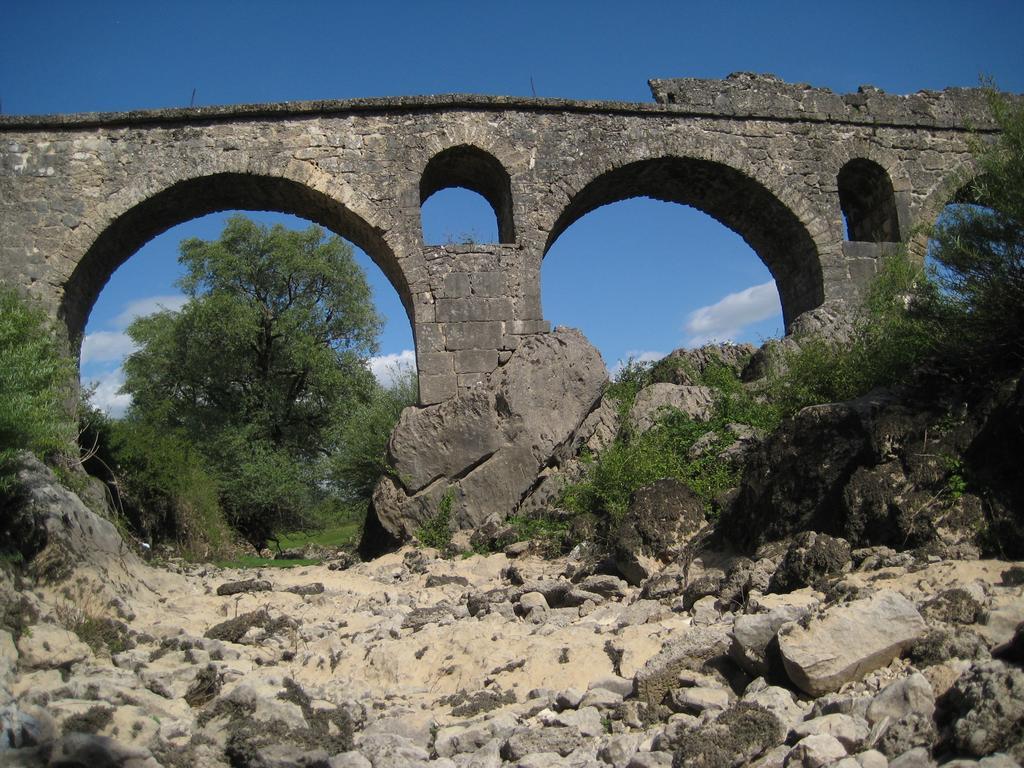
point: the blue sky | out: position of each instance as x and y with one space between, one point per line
639 277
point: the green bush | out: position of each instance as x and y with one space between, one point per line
35 387
359 458
437 532
634 461
979 253
891 336
159 483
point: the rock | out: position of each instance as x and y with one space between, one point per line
586 719
797 479
901 698
610 587
233 630
351 759
847 641
905 734
734 738
651 402
663 518
82 749
245 586
47 646
614 683
526 741
485 447
753 634
700 588
55 531
602 698
810 558
661 586
421 617
937 646
851 732
952 606
778 701
985 709
694 701
919 757
618 750
305 590
688 651
687 366
816 751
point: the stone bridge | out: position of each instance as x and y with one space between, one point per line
816 182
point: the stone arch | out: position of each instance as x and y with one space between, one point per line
955 187
197 196
475 169
868 202
738 201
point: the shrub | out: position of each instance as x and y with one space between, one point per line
632 462
360 456
159 482
979 251
437 532
35 387
891 336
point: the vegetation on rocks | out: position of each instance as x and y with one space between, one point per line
35 380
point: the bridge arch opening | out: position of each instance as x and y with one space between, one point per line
644 277
466 167
737 201
131 267
868 202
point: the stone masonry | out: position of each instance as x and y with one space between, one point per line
794 170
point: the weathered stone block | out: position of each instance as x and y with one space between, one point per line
435 363
456 285
437 389
476 360
473 335
489 284
471 380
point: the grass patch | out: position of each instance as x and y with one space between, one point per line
341 536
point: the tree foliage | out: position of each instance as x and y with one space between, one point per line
259 365
979 250
35 386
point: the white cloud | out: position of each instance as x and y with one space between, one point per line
106 346
147 306
637 356
725 319
386 368
107 395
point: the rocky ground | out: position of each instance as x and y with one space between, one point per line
806 656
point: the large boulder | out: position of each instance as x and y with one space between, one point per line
663 518
652 401
847 641
688 366
799 478
476 456
55 531
985 710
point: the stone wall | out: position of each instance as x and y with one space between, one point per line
79 194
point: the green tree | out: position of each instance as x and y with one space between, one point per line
979 250
258 366
359 458
35 387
